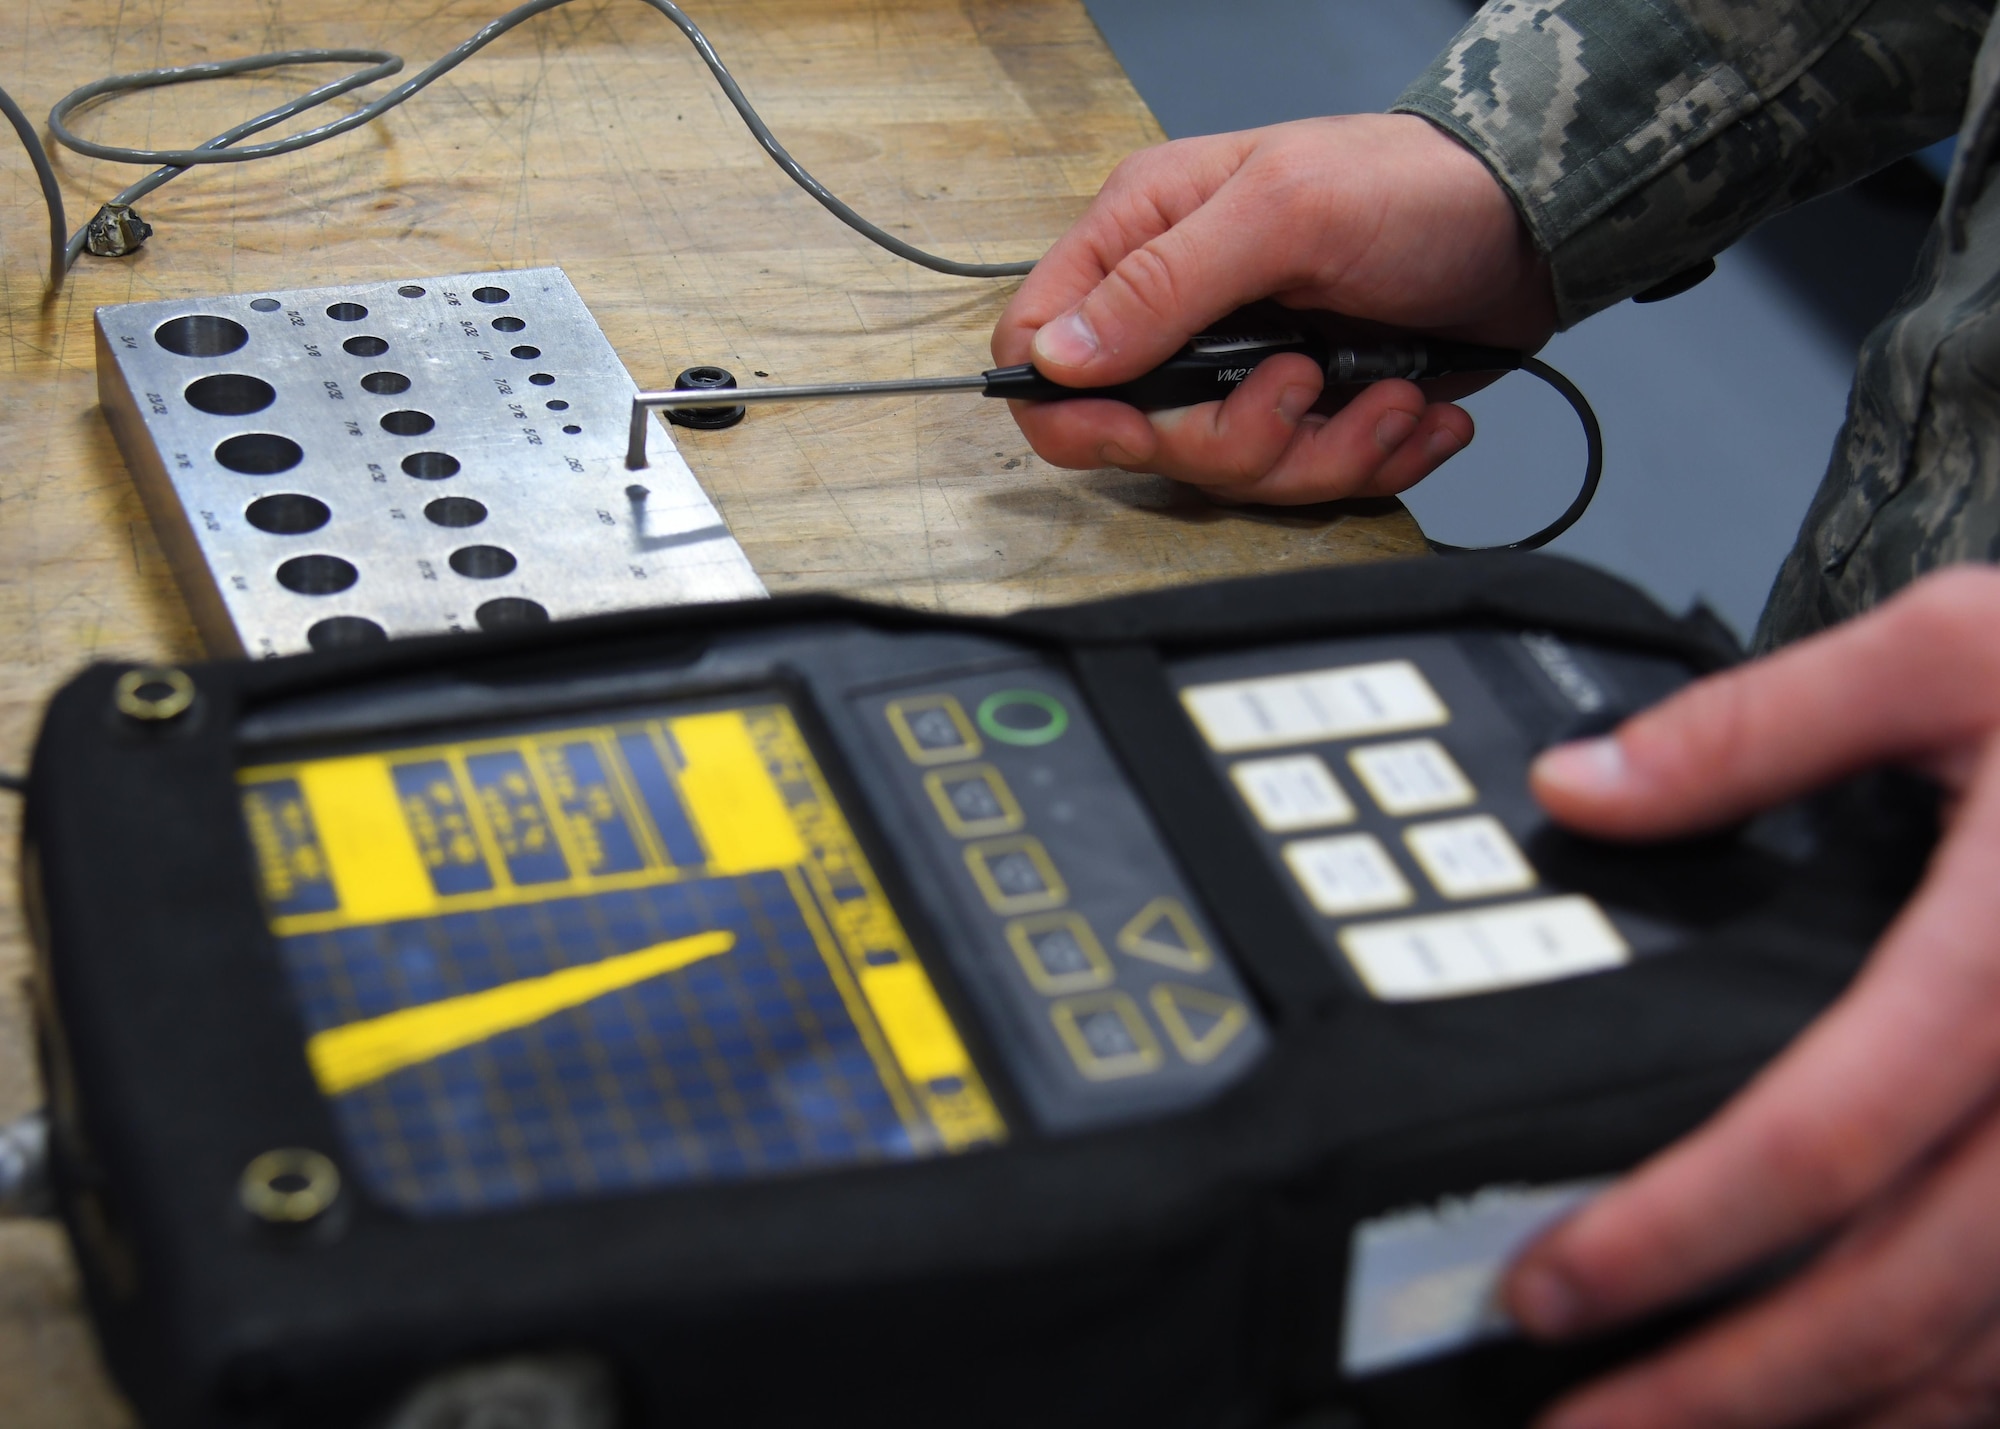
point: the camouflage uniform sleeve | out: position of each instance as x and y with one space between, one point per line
1640 137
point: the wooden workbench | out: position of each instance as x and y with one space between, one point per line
591 138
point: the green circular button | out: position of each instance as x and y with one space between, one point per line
1049 718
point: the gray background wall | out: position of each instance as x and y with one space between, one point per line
1719 407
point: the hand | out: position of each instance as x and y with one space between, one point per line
1880 1126
1380 217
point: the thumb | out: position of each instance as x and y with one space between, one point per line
1915 677
1154 299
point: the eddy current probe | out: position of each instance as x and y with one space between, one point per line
1209 368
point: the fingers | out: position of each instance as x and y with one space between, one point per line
1264 443
1867 1091
1906 1055
1921 672
1964 1393
1382 218
1144 197
1213 261
1238 439
1382 443
1885 1310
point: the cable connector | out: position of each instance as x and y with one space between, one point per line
24 1167
117 231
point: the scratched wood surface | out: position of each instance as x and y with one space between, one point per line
590 138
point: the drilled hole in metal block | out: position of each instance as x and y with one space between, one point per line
430 466
483 563
347 312
491 295
510 612
317 575
572 430
287 513
344 632
525 353
455 511
549 524
230 394
411 290
407 424
201 335
365 346
265 305
260 453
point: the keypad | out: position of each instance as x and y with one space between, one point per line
1112 991
1413 873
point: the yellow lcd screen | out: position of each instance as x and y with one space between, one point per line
578 959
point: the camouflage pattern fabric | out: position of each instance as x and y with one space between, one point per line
1639 137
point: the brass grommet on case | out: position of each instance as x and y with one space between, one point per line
153 693
290 1186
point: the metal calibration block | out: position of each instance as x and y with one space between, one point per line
335 466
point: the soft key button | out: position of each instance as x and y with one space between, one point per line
973 802
1015 875
1347 874
1106 1035
1292 792
1200 1024
1313 706
933 729
1470 858
1027 718
1412 776
1059 953
1483 949
1162 932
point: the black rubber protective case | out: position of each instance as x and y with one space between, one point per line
1185 1271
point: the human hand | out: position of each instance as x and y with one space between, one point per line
1880 1126
1379 217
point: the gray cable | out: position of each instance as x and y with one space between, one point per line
221 149
381 63
51 195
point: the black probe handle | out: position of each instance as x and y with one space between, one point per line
1210 367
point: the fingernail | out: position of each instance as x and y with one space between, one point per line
1544 1302
1588 766
1394 429
1066 342
1294 403
1442 444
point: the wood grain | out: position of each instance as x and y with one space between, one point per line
591 138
